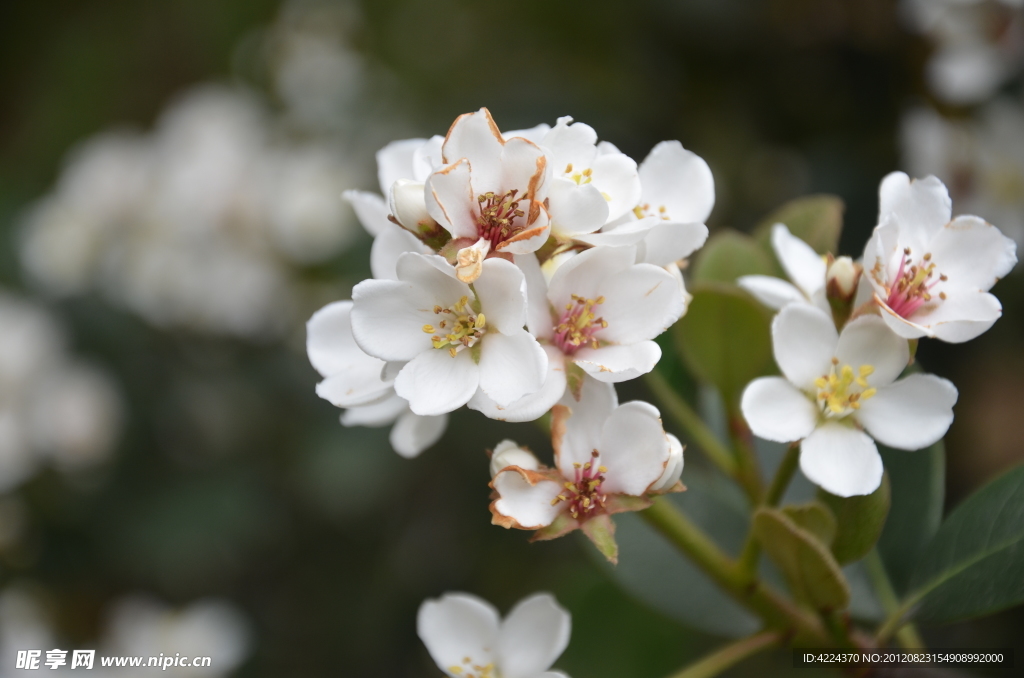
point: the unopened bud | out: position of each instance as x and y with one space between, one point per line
508 453
842 278
409 207
674 467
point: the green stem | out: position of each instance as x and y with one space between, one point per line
906 633
783 474
774 609
747 469
697 431
731 654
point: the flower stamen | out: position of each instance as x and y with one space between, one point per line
583 494
466 327
578 324
842 390
912 285
498 214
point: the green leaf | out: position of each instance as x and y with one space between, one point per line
729 254
725 338
811 571
974 564
859 521
814 517
815 219
918 482
601 531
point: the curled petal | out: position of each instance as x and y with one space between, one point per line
525 499
450 200
475 137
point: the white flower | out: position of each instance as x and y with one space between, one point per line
931 274
467 638
678 193
508 453
488 193
803 266
600 313
353 380
604 452
836 387
446 339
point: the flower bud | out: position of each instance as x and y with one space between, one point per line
842 278
508 453
409 207
674 467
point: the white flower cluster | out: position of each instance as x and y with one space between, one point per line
53 408
511 271
841 336
200 224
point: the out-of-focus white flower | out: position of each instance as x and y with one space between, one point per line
836 386
448 340
467 638
931 273
981 159
51 407
600 312
606 454
23 626
143 627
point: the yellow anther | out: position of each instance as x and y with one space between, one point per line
821 382
429 329
480 321
602 469
457 670
868 393
568 168
587 172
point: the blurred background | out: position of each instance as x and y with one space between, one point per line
170 216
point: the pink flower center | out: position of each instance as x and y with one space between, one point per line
912 285
498 214
578 324
583 494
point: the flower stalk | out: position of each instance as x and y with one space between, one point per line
730 655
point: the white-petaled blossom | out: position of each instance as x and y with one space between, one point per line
931 273
677 196
839 388
445 340
599 314
353 380
488 195
467 638
23 625
804 267
608 458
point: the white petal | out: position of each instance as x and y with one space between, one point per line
457 626
532 238
450 199
770 291
501 289
360 385
407 202
617 177
535 134
395 161
674 469
868 341
669 241
584 274
508 453
582 432
629 233
371 210
511 366
634 448
640 303
680 180
538 311
777 410
972 253
900 325
802 264
329 342
613 364
529 505
910 414
922 206
433 275
427 158
475 137
575 209
380 413
534 405
959 318
435 382
388 318
412 433
841 460
392 242
571 143
804 341
533 636
523 166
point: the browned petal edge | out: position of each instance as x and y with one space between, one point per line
559 417
450 168
536 179
531 477
678 487
451 249
523 235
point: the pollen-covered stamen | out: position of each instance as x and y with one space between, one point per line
580 177
583 494
469 669
645 210
842 390
458 327
498 215
578 324
911 287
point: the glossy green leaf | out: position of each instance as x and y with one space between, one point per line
975 563
815 219
859 521
814 517
725 338
918 486
729 254
812 573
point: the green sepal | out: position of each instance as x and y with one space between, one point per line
562 525
601 531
